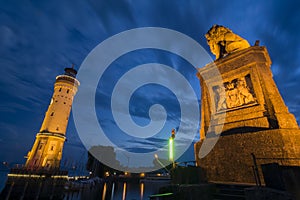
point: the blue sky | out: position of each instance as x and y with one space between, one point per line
40 38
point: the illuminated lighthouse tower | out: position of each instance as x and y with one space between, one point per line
47 148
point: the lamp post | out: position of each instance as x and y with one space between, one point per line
171 148
156 157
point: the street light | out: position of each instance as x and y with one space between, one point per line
156 157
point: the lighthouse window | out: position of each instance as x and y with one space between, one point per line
67 90
64 102
52 114
59 89
40 147
52 147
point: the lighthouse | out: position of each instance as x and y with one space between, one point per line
46 151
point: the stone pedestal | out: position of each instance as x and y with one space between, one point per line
230 160
248 112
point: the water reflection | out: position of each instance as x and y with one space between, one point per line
117 189
112 191
104 191
142 190
124 191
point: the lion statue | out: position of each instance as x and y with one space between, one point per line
222 41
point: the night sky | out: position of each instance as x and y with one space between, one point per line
40 38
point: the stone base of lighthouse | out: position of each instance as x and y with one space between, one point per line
46 152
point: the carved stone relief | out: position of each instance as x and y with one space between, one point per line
235 93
